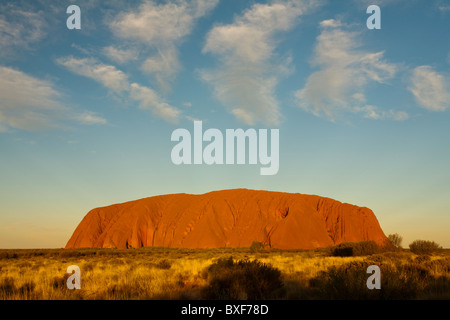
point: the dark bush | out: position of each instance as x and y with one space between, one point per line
27 288
164 264
242 280
256 246
349 281
424 247
60 283
7 285
396 240
438 288
342 251
70 254
352 249
344 282
8 255
88 266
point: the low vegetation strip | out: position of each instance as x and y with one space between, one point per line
224 273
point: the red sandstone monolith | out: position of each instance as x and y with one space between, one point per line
228 218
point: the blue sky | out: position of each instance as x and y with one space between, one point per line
86 115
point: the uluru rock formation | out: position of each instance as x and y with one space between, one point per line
228 218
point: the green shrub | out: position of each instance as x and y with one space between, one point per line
424 247
242 280
352 249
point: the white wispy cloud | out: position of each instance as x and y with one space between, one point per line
107 75
430 88
249 70
331 23
89 117
149 100
119 55
81 49
117 82
344 72
373 112
159 29
20 29
26 102
164 65
444 8
33 104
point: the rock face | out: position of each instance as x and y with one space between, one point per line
229 218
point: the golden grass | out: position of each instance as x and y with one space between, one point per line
162 273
